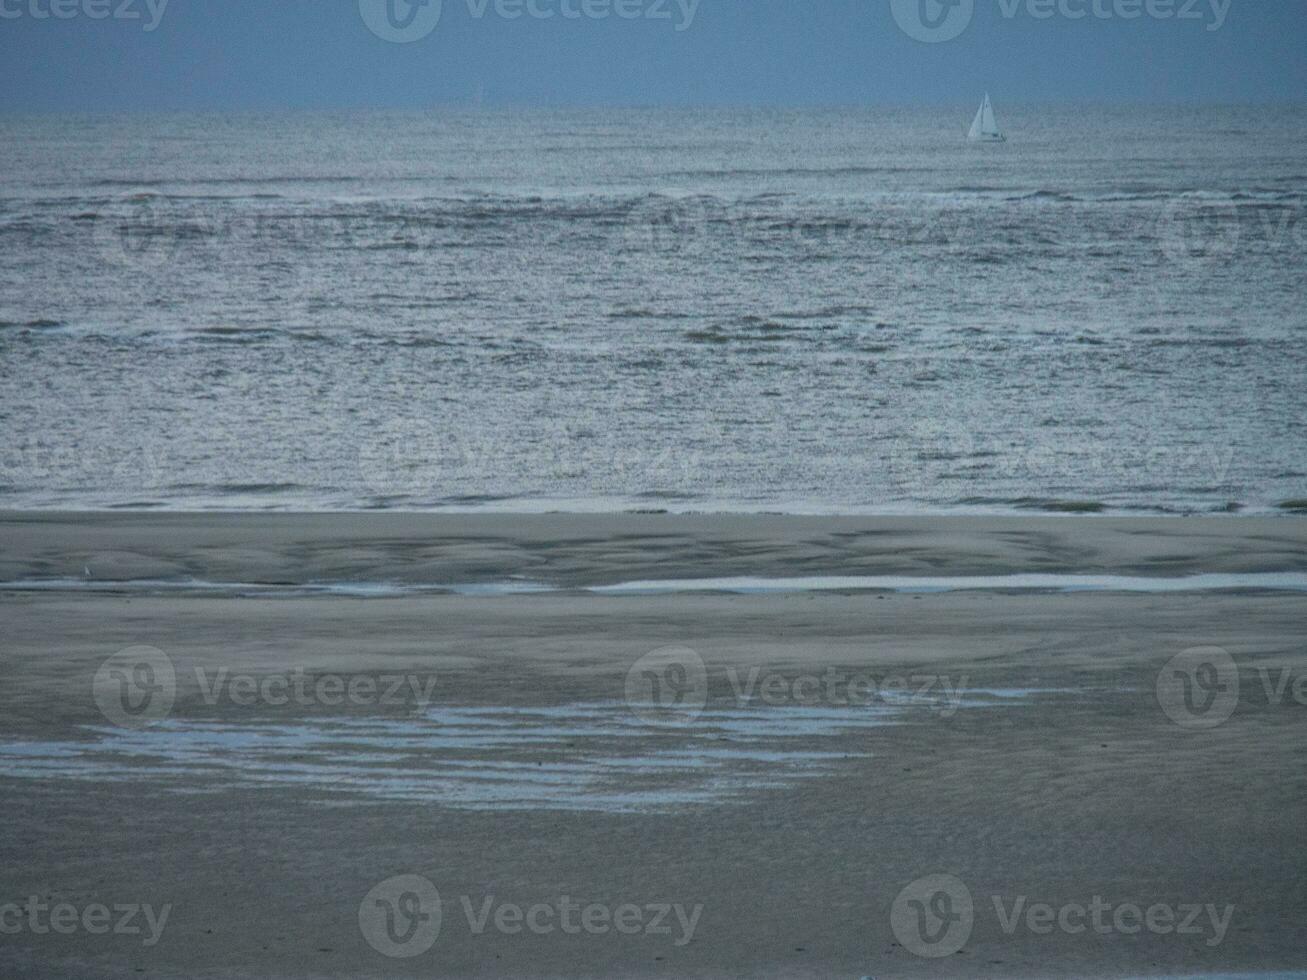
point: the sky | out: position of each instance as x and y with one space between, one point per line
144 55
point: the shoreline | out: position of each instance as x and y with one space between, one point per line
562 551
520 506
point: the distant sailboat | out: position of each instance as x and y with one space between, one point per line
985 128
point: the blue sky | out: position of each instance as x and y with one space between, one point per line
266 54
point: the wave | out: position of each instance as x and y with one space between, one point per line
238 181
1047 504
38 324
748 329
642 313
1045 195
841 171
240 488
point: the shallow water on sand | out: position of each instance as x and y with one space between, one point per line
600 756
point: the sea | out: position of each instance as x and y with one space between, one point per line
845 310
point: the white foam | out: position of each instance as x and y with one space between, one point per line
1291 581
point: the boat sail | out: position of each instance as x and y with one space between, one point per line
985 128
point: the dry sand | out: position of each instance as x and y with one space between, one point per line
1083 788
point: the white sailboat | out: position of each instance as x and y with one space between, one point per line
985 128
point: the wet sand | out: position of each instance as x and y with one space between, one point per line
850 743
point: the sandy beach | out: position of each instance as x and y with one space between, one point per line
852 782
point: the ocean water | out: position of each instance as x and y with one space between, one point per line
811 310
